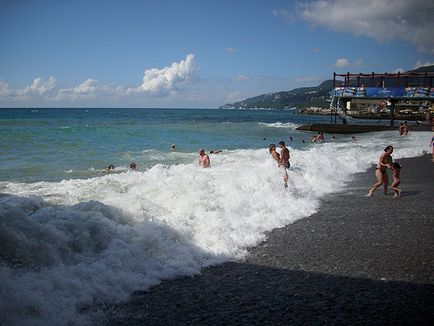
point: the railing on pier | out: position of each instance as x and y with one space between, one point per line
409 79
384 92
393 87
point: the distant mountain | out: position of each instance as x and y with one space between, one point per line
304 97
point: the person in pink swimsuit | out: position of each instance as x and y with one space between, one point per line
204 160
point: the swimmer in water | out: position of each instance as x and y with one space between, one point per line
204 160
108 169
284 162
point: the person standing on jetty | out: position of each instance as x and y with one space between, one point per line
284 162
384 162
204 160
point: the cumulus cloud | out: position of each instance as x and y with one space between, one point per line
411 21
40 87
12 94
164 81
341 63
87 89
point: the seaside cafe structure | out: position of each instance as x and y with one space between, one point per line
412 89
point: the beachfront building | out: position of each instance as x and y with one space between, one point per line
407 96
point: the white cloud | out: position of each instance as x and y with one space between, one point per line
341 63
87 89
411 21
39 87
230 50
12 94
155 82
420 64
164 81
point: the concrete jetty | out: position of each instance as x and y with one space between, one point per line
333 128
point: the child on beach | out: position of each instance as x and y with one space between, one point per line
396 167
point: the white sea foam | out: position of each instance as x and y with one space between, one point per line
79 242
286 125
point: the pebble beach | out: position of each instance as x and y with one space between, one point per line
357 261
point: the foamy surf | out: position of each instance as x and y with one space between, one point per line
286 125
86 241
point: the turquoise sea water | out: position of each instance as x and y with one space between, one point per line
56 144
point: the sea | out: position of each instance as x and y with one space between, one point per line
73 237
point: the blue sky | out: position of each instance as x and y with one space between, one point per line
200 54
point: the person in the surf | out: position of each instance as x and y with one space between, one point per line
274 154
284 162
109 169
204 160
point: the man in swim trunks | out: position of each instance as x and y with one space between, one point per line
284 162
204 160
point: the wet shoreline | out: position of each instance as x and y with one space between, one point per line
358 260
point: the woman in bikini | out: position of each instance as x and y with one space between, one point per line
384 162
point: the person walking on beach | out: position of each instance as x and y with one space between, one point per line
274 154
204 160
384 162
284 162
396 167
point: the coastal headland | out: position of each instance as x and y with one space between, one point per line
357 261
